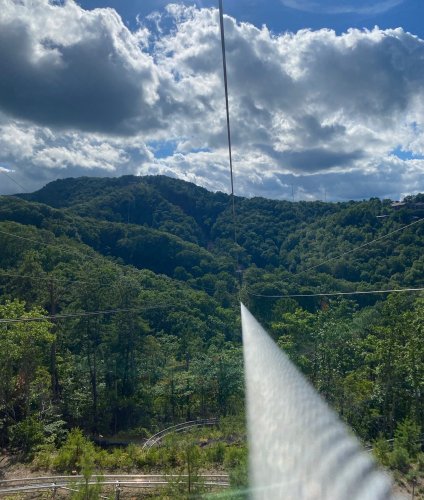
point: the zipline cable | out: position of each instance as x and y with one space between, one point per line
227 107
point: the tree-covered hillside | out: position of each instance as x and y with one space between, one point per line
134 283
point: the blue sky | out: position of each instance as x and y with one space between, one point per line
326 96
279 16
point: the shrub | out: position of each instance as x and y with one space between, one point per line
74 452
407 436
381 450
420 462
399 459
44 457
235 462
234 456
27 434
215 453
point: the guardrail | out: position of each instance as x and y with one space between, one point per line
117 481
184 426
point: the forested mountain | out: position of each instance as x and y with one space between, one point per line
140 279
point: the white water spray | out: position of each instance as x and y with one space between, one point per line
298 447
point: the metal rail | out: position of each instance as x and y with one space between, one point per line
32 484
223 477
184 426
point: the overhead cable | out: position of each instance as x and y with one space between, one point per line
224 66
299 449
120 279
53 245
338 257
63 247
328 294
51 279
359 247
92 257
12 179
28 319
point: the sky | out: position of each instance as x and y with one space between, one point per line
326 96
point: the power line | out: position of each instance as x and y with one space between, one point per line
359 247
12 179
68 247
54 245
325 294
66 281
224 66
94 257
120 279
50 279
27 239
82 314
337 257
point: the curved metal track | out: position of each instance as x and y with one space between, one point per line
184 426
117 481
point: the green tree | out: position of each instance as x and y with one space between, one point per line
22 351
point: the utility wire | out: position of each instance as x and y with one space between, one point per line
325 294
359 247
12 179
94 257
54 245
51 279
337 257
81 314
224 66
27 239
66 281
68 247
99 283
189 285
65 247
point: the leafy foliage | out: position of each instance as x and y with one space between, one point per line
161 252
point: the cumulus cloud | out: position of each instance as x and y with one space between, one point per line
82 93
310 101
64 66
34 155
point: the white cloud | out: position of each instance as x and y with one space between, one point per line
63 66
17 142
308 108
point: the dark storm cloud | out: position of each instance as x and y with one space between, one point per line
316 160
88 84
373 78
